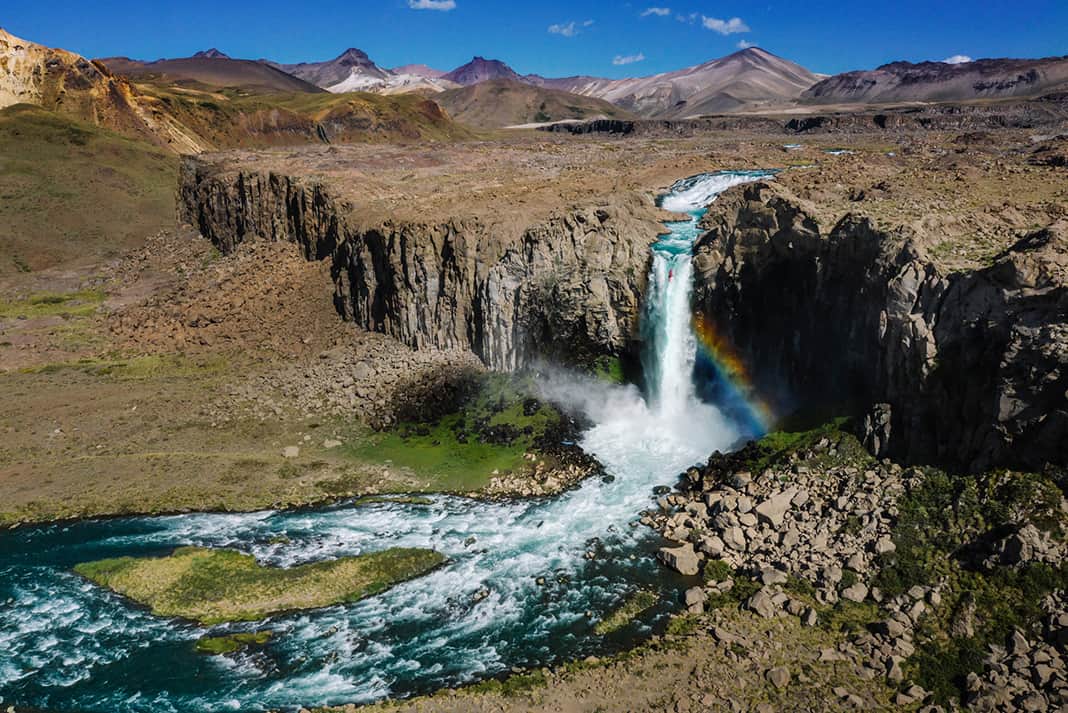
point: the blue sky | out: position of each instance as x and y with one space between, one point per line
551 37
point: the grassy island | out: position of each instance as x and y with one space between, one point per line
214 586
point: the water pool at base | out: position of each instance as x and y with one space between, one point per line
68 645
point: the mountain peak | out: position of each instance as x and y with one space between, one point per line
480 69
211 54
352 54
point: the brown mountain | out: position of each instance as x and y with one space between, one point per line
211 69
938 81
72 86
502 102
480 69
750 79
211 54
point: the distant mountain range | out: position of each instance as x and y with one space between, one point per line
750 80
353 71
212 68
938 81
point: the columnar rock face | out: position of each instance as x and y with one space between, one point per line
968 369
568 287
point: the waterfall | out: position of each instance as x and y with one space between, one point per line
525 581
670 347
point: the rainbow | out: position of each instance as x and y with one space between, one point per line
725 380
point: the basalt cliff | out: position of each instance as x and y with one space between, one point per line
567 287
967 369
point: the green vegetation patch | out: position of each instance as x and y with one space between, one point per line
137 367
634 605
492 425
827 445
231 644
214 586
49 304
511 685
944 534
610 369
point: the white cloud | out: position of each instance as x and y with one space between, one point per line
658 11
568 29
724 27
628 59
432 4
745 44
957 59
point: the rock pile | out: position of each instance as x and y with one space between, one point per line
825 526
545 479
1026 676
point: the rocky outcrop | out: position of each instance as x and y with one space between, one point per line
1048 111
968 369
74 86
567 287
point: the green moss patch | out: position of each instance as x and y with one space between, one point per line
489 429
215 586
610 369
49 304
219 645
828 445
633 606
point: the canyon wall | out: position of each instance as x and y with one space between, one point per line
567 287
968 369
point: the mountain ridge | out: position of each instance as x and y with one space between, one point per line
497 103
993 78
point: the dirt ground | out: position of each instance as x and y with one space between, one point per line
966 195
111 408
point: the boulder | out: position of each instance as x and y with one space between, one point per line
734 538
779 676
774 509
855 593
763 604
695 595
682 559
